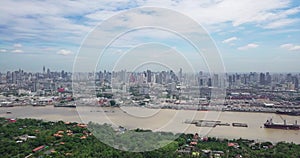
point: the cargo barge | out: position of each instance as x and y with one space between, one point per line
65 105
203 123
270 124
206 123
239 125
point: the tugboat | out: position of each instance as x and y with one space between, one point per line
270 124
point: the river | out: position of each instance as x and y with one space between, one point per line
166 120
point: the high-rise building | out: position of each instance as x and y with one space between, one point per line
123 77
215 82
8 77
245 79
149 76
289 77
209 83
268 79
233 78
34 86
296 82
158 78
262 78
201 81
48 73
180 75
230 80
14 77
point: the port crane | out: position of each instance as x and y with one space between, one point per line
282 119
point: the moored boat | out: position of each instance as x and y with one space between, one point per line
270 124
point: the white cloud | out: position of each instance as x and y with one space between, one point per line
248 46
64 52
69 21
17 45
3 50
290 47
229 40
280 23
72 20
100 15
17 51
295 48
232 11
35 17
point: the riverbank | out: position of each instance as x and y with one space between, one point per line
36 138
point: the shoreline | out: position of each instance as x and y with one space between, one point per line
162 107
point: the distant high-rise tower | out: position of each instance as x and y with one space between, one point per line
14 77
180 75
262 78
201 82
63 74
34 88
44 69
230 80
48 72
149 76
233 78
296 82
289 77
268 78
209 83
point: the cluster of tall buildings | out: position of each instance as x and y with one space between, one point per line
147 76
274 81
51 81
15 81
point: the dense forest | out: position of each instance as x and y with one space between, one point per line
37 138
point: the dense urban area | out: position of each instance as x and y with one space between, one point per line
255 92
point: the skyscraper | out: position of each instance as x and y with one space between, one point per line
268 78
296 82
149 76
180 75
262 78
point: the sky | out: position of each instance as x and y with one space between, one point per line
250 35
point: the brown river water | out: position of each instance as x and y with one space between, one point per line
166 120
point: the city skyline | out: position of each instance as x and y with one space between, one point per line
141 70
145 78
251 37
